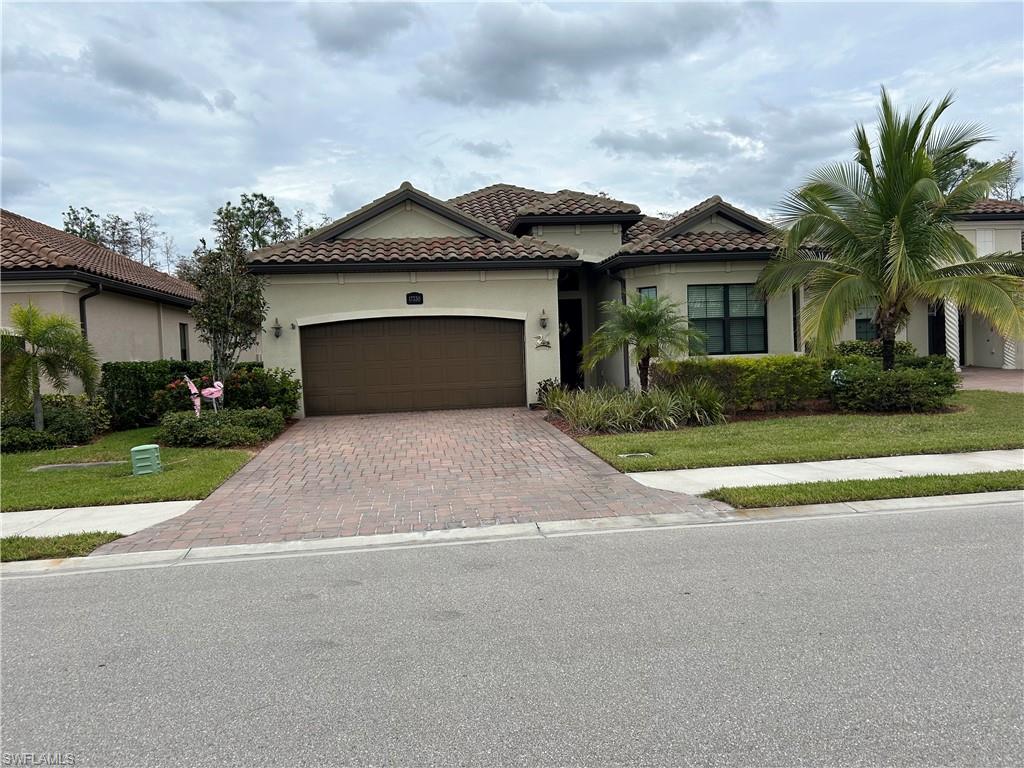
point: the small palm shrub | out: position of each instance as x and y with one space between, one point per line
701 403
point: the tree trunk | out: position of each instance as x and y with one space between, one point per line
888 349
643 367
37 409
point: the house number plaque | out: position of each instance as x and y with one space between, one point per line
414 298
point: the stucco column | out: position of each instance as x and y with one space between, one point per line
1009 354
952 333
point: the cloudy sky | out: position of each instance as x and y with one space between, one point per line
178 107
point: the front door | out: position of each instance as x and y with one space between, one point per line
570 328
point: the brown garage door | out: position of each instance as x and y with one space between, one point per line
412 364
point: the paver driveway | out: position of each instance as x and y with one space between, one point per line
387 473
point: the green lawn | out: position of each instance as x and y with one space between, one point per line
47 547
989 420
189 473
859 490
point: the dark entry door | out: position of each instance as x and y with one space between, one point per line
570 321
412 364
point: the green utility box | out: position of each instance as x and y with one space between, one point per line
146 460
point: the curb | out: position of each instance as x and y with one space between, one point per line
496 533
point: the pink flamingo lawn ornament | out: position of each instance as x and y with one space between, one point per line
209 394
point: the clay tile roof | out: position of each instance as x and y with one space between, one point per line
648 226
716 202
31 245
1003 207
497 204
569 202
411 250
703 242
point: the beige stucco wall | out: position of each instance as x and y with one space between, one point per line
672 281
713 223
593 242
310 299
409 220
120 327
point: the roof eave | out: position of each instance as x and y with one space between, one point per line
625 260
411 266
1009 216
116 286
626 219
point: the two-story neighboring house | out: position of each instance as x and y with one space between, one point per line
413 303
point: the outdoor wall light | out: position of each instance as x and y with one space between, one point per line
543 319
276 328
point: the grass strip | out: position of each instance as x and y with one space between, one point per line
14 548
833 491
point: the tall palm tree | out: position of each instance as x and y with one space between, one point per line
39 346
879 230
651 327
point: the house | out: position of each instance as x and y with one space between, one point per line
414 303
127 310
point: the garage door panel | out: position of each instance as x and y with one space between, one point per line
423 363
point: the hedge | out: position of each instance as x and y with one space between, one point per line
771 383
928 385
873 348
128 388
67 420
220 429
138 394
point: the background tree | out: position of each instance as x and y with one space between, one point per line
144 238
1006 189
257 218
117 234
650 327
231 309
301 226
83 223
879 230
38 346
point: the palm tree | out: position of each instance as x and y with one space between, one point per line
40 346
879 230
651 327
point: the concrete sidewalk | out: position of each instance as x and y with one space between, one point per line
120 518
697 481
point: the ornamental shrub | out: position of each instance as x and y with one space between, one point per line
865 387
69 419
17 439
220 429
252 387
770 383
145 391
873 348
610 410
128 387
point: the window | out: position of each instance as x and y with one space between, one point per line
865 321
648 293
986 242
732 316
183 340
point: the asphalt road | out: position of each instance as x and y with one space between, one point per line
891 640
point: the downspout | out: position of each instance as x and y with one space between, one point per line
625 349
82 298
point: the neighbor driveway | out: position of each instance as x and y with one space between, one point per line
390 473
